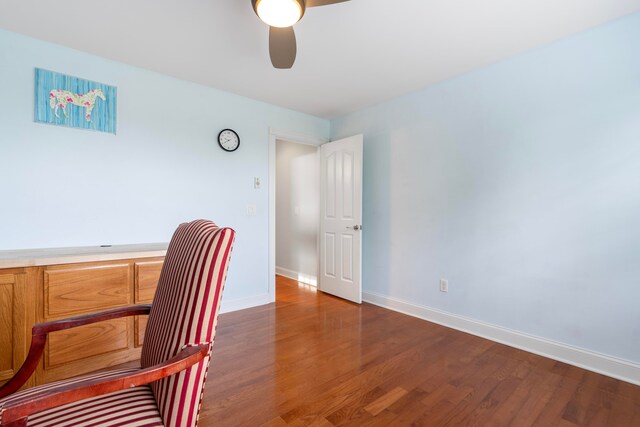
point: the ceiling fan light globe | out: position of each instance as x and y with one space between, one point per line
280 13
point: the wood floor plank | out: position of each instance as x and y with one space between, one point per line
578 405
383 402
409 407
348 413
312 359
553 411
349 391
480 398
505 414
538 399
310 421
276 422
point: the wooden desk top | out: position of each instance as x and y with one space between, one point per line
52 256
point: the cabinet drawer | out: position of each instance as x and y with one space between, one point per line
147 275
78 290
75 344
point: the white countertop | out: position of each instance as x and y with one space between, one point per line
52 256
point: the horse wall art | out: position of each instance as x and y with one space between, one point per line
85 104
60 99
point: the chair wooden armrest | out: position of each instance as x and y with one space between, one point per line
39 338
15 412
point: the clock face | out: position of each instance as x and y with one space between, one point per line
228 140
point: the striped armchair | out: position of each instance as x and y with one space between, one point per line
167 389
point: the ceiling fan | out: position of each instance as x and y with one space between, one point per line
280 15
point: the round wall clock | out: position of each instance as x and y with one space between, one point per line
228 140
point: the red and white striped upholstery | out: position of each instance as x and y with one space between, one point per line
131 407
184 313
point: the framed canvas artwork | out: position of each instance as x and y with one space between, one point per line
70 101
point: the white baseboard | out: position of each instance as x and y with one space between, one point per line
242 303
601 363
304 278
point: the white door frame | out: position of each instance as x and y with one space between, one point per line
274 135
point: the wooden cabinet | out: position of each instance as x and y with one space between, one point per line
50 292
16 310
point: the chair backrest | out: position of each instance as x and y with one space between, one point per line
184 312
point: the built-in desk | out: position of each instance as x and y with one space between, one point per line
48 284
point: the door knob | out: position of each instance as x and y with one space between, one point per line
355 227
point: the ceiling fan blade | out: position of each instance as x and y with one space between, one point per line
282 47
314 3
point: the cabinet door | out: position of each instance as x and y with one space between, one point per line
73 290
76 289
13 323
147 275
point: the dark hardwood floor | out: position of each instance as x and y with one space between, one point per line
315 360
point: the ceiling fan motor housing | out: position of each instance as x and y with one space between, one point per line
281 15
300 3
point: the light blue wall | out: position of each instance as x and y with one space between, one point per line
70 187
520 183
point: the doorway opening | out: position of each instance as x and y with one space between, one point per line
338 224
297 211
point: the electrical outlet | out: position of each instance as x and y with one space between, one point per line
444 285
251 210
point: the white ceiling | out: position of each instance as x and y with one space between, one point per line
350 55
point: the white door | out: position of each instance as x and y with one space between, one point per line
341 218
